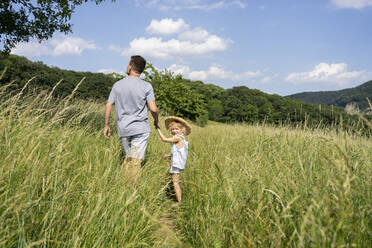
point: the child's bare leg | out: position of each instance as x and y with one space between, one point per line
177 188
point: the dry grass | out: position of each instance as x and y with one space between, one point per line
61 184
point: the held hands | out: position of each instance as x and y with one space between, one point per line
107 132
159 131
157 124
161 136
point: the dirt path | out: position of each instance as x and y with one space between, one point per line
168 235
169 222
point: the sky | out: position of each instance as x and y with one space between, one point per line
277 46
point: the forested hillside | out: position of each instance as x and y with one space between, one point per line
339 98
176 95
238 104
20 69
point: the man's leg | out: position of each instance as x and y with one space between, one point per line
126 143
132 169
135 149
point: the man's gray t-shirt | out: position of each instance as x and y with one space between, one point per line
130 96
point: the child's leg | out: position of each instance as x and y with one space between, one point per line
177 188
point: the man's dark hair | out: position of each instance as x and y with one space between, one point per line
138 63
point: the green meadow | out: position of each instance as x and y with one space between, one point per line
62 185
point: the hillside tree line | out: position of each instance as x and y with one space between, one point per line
175 95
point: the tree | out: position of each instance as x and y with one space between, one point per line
215 109
266 111
175 97
21 20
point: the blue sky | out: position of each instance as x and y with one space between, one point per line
277 46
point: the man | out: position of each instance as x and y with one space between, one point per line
132 97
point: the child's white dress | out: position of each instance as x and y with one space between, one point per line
179 156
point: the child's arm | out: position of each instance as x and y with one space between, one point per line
174 139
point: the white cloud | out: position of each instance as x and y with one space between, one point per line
266 80
213 72
157 48
354 4
110 70
335 74
114 48
55 47
179 69
198 75
166 26
177 5
190 43
196 35
71 45
32 49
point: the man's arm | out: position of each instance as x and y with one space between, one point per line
107 130
154 112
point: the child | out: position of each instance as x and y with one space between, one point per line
178 127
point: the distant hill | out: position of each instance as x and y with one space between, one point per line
20 70
175 95
339 98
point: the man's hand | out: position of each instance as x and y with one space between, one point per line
107 132
157 124
154 112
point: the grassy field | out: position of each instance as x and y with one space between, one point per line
61 184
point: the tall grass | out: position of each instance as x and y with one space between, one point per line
260 186
61 184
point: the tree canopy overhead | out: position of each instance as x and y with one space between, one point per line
21 20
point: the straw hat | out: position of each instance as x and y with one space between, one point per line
169 120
